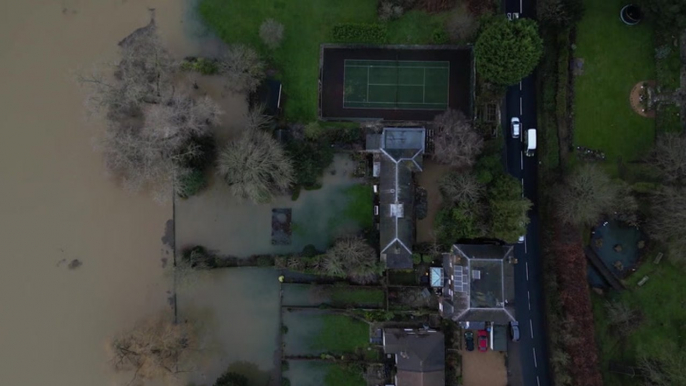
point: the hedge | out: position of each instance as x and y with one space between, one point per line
360 33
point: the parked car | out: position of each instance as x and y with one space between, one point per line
483 340
515 126
469 340
530 141
514 330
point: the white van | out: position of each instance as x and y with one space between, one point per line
530 142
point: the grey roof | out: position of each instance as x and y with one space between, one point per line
401 155
373 142
479 283
420 356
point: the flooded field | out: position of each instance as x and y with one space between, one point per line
240 310
83 259
222 223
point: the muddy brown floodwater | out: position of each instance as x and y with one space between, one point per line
81 259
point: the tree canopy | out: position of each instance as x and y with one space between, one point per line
230 378
456 143
588 193
668 13
507 51
255 166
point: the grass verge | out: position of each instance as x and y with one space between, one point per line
341 376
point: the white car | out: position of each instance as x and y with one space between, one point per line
516 127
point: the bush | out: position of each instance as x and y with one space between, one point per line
203 66
309 158
265 261
360 33
271 33
461 26
507 51
388 10
440 36
191 183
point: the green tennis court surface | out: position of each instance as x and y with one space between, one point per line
393 84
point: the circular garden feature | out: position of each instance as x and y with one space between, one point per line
631 14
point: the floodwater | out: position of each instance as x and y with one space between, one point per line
56 204
229 226
239 307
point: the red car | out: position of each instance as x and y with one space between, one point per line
483 340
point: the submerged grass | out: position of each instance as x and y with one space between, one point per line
308 23
341 334
616 57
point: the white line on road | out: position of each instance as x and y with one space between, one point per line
531 328
520 105
525 245
527 271
535 361
520 7
528 295
520 86
521 161
538 381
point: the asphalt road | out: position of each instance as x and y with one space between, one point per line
530 353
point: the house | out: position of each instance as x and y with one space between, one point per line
419 356
478 284
398 153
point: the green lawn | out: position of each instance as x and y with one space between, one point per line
341 334
616 57
308 23
347 295
661 301
360 205
341 376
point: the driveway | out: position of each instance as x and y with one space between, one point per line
483 368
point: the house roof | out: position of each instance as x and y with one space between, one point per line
420 356
401 155
479 284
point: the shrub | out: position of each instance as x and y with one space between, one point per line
461 26
388 10
265 261
202 65
191 183
271 33
507 51
440 36
360 33
310 158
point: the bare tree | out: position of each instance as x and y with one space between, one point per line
355 257
242 69
461 26
256 118
271 33
143 75
665 367
461 187
669 157
255 167
667 219
586 195
151 126
153 155
456 143
156 348
624 318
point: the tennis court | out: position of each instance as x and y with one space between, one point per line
396 84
